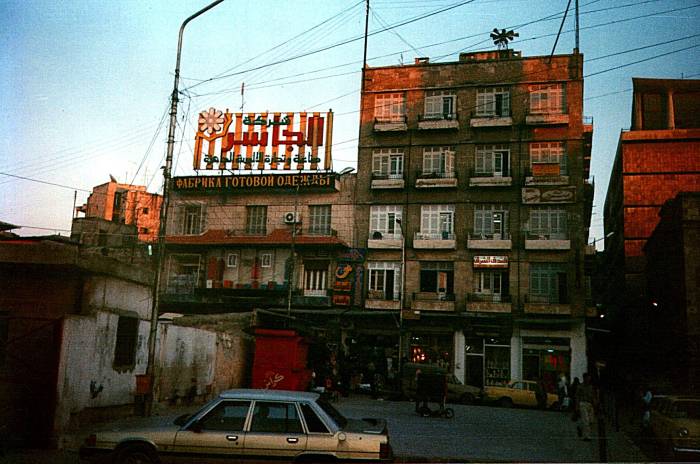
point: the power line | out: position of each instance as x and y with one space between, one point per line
45 182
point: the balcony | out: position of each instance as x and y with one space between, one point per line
546 174
395 124
436 179
547 119
547 242
385 241
490 179
495 120
488 303
436 241
388 181
437 122
376 299
500 241
430 301
547 305
186 289
312 298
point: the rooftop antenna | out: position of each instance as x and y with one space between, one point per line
502 37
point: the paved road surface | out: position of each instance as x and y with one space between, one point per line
476 433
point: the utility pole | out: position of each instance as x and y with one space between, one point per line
155 299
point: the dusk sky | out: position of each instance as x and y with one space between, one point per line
86 84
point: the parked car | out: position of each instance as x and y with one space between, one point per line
675 425
517 393
457 392
246 425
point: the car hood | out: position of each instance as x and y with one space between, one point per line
368 425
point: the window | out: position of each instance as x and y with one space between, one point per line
313 423
492 161
439 161
548 283
315 277
256 220
266 260
548 154
389 107
125 347
320 219
227 416
491 222
547 99
388 163
491 283
440 104
493 101
273 417
192 220
548 222
384 222
437 222
384 280
437 277
232 260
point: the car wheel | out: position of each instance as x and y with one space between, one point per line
505 402
466 398
136 454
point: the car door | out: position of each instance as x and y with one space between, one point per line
275 430
216 436
320 438
519 394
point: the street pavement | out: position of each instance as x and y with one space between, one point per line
476 433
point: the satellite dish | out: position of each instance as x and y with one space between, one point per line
502 37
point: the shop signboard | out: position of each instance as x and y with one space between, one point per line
491 262
247 182
263 141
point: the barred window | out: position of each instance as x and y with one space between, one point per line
256 220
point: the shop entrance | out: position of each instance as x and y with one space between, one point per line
546 358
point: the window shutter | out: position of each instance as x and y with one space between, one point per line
203 218
449 161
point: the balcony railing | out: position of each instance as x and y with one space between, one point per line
430 240
434 236
547 304
391 124
489 298
490 120
433 301
551 117
545 299
489 236
387 181
433 179
438 121
384 240
545 241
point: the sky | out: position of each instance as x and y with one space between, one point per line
86 84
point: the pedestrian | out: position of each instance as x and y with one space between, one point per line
586 398
572 399
371 371
541 394
563 392
646 408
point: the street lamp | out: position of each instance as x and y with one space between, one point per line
401 294
150 366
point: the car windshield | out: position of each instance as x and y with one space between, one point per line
334 413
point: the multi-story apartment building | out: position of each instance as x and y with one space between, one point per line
113 210
473 202
264 233
656 159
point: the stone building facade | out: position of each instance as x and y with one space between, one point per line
473 203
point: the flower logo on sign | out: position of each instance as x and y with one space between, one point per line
211 121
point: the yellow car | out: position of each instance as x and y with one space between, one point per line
247 425
516 393
675 424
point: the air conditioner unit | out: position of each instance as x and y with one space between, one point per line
292 217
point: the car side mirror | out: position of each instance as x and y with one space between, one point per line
342 436
196 427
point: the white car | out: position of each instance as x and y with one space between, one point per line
243 425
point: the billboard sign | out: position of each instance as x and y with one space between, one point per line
263 141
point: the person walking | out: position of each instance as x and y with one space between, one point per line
586 398
563 392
